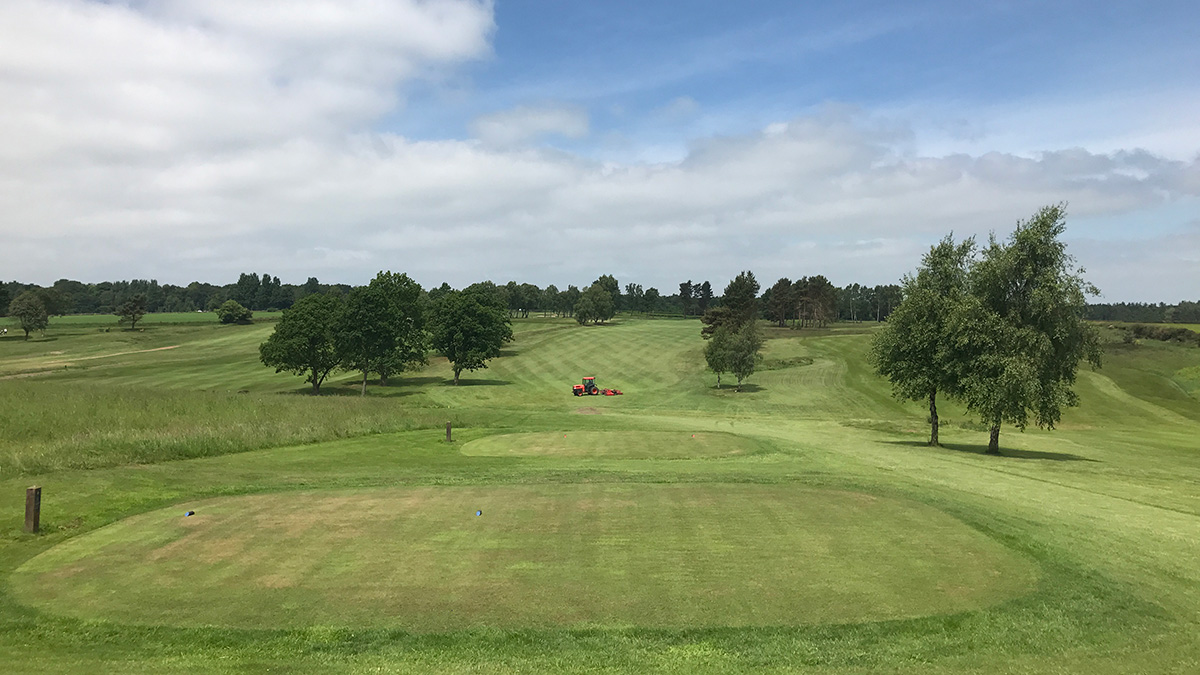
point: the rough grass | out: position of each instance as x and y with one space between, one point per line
1106 507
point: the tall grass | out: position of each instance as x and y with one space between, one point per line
49 426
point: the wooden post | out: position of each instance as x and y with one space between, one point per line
33 509
448 439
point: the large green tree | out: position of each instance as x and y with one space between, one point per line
1025 326
381 327
132 310
919 349
741 297
686 291
303 340
595 305
28 309
469 328
407 315
609 283
782 303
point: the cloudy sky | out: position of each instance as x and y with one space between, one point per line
551 141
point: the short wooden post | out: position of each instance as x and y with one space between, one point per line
33 509
448 439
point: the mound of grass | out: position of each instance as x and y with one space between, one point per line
613 444
594 555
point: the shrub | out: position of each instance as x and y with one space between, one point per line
233 312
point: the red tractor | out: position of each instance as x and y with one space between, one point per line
589 388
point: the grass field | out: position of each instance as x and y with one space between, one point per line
798 525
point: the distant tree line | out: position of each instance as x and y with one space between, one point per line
808 301
252 291
1144 312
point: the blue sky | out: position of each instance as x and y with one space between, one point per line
461 139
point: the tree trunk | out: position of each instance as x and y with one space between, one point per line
933 418
316 386
994 440
364 386
456 372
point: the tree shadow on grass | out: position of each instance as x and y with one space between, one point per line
732 388
1005 453
464 382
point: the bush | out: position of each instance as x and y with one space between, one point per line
1164 334
233 312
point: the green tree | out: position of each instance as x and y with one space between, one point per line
29 310
303 340
549 299
609 283
231 311
781 304
717 351
703 297
595 305
713 319
568 299
365 335
651 300
406 314
741 297
685 296
1025 325
55 302
634 297
469 328
743 352
5 298
919 350
132 310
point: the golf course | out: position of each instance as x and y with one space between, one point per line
201 513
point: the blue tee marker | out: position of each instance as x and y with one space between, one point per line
479 513
189 513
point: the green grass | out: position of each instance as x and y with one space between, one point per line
613 444
544 556
1074 552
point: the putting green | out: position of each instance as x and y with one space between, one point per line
613 444
591 554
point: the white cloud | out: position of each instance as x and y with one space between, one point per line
524 124
195 140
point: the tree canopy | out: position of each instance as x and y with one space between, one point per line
469 328
595 305
741 297
1025 321
919 350
1004 332
28 309
132 310
303 340
381 327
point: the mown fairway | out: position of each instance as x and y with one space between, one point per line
798 525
